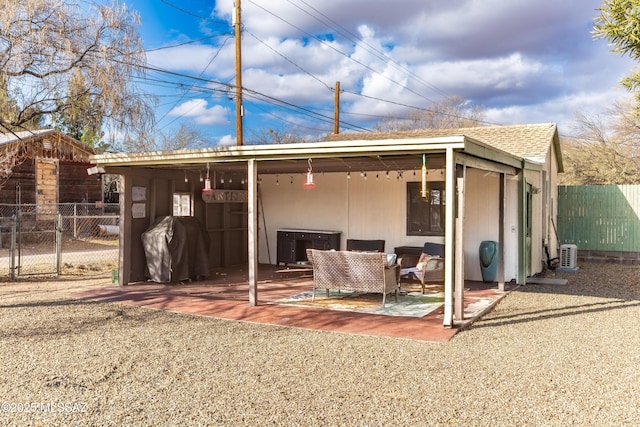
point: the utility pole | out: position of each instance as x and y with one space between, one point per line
239 108
336 110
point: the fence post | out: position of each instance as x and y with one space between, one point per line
58 244
12 250
75 220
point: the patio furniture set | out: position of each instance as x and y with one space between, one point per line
365 267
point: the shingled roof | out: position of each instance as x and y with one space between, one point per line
529 141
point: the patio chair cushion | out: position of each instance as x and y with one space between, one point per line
392 259
429 267
424 263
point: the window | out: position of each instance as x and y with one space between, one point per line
425 217
182 204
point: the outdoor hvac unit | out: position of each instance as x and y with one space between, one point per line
568 256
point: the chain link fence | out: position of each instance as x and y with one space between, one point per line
63 239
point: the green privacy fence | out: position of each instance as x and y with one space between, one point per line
600 217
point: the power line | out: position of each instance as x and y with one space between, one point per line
187 42
288 60
340 52
201 73
186 12
371 49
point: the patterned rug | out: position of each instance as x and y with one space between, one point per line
412 304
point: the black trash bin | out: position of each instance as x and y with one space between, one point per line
489 260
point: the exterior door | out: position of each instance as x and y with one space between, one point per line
528 227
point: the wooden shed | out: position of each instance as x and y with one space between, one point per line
46 167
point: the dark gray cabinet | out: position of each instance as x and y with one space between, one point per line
292 244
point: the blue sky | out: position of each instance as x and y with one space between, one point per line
522 61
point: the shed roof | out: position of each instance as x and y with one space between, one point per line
28 136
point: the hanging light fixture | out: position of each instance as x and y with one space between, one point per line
207 184
309 183
425 189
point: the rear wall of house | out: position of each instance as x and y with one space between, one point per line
372 208
376 208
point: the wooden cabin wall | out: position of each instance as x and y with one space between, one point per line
75 186
24 173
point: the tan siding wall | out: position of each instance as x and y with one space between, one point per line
358 208
482 220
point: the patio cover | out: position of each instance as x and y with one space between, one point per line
176 249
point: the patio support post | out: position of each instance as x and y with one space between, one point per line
124 264
252 226
461 173
450 176
502 224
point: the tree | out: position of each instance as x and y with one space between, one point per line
182 138
274 136
46 44
619 22
449 113
604 149
82 118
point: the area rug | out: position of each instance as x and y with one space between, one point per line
412 304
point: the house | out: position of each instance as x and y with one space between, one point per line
46 167
457 187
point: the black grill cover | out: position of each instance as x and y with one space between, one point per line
176 249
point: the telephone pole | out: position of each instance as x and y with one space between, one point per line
336 110
239 108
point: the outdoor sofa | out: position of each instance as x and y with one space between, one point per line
366 272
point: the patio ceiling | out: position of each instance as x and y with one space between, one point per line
321 164
353 156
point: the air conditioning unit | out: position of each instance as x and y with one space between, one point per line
568 257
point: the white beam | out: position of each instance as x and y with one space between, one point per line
252 178
450 173
502 224
459 247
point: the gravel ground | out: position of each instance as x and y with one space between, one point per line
546 355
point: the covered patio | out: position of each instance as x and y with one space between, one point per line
226 296
456 188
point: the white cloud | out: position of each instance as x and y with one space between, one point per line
227 140
524 61
200 113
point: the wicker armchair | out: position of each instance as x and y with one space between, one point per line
428 268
